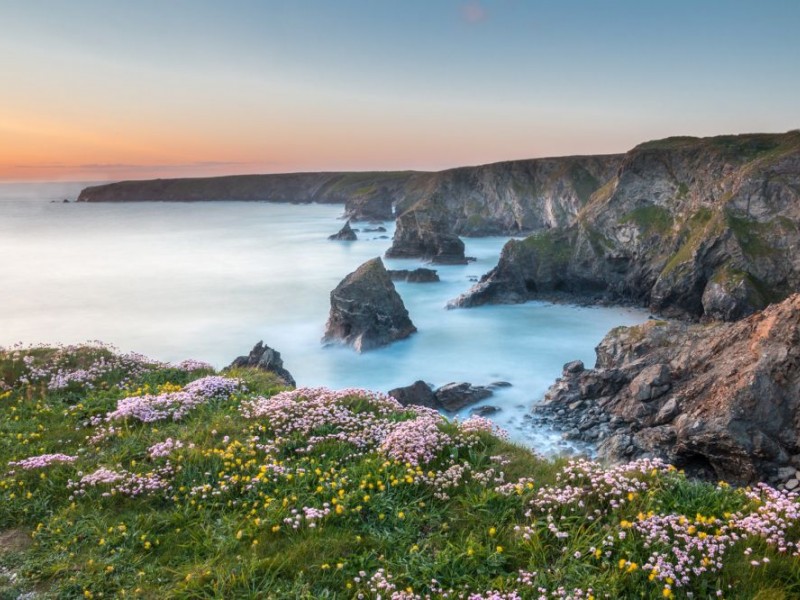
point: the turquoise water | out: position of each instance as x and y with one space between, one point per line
208 280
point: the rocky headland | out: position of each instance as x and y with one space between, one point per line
689 227
721 400
366 310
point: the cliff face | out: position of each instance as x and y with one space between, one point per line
721 399
690 227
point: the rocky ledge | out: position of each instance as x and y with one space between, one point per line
366 310
721 400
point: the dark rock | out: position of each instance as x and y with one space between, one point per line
380 229
485 411
418 393
346 234
455 396
420 275
366 310
499 384
267 359
576 366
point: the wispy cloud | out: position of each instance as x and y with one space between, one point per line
473 12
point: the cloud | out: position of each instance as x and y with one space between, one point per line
473 12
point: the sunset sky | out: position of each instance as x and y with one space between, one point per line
109 90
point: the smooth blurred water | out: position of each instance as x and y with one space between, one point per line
209 280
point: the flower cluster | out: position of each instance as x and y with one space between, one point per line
41 461
124 482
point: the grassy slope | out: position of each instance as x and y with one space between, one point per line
219 522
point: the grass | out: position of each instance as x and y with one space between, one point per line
650 219
313 494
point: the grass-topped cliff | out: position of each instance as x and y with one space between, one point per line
688 226
123 477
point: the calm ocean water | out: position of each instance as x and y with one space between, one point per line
208 280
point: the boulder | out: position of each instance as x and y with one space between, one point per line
267 359
484 411
420 275
366 310
418 393
346 234
455 396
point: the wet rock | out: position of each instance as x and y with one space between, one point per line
420 275
576 366
424 232
267 359
346 233
499 384
380 229
455 396
366 310
418 393
485 411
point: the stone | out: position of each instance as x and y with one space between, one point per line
420 275
792 484
418 393
455 396
366 310
652 382
576 366
346 233
267 359
425 233
485 411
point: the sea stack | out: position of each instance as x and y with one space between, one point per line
366 310
346 233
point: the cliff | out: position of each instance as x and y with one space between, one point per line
368 195
687 226
721 400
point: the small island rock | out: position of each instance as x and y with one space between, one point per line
346 234
366 310
420 275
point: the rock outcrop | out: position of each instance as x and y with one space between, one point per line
451 397
420 275
689 227
426 232
366 310
267 359
720 399
346 233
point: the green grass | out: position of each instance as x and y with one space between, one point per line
220 531
650 219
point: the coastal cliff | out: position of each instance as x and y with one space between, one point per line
721 399
367 195
691 227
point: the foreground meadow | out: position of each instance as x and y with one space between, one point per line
124 477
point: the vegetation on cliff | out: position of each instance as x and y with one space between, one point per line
124 477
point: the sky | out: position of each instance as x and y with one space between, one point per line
105 90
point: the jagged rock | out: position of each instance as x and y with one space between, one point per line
424 232
267 359
366 310
576 366
420 275
418 393
689 227
455 396
721 400
346 233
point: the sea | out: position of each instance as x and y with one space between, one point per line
207 280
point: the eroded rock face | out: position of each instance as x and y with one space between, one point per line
418 393
366 310
346 233
427 233
721 400
267 359
689 227
420 275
